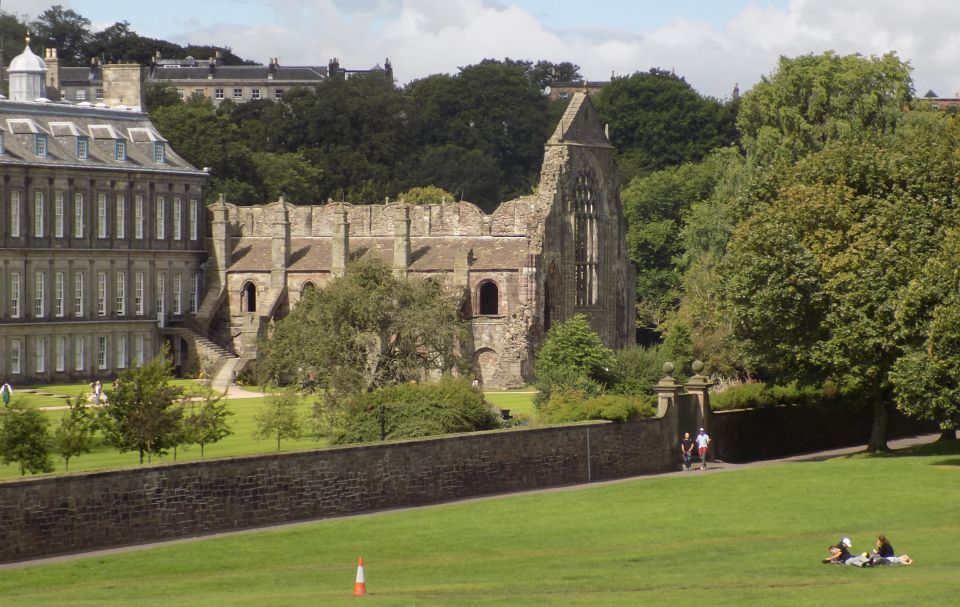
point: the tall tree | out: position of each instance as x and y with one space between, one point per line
65 30
74 435
205 421
365 330
658 120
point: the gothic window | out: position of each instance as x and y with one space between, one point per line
551 298
489 298
585 237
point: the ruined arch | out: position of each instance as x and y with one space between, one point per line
487 361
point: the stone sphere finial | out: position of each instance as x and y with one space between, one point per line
668 368
697 366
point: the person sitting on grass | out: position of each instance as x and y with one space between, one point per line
883 554
840 555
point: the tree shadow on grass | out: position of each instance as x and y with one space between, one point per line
926 450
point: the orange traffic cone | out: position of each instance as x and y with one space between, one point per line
360 588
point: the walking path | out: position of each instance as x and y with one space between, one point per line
712 468
232 391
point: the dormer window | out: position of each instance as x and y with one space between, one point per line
83 148
40 144
120 150
159 152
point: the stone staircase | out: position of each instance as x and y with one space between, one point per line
215 360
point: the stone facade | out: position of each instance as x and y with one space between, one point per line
102 236
535 261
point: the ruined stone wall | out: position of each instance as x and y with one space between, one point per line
72 513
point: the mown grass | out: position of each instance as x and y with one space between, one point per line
748 537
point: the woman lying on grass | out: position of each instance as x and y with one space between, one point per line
883 554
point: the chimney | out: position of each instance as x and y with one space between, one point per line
388 70
220 241
53 73
272 69
401 240
123 85
211 67
340 243
92 75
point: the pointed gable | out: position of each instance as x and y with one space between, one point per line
580 124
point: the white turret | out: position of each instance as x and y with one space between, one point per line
27 75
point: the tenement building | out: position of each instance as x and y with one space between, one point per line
102 234
533 262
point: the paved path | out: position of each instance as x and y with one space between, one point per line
712 468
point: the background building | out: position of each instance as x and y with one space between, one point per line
101 236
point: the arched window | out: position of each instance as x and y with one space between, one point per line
551 297
248 297
308 287
585 239
489 298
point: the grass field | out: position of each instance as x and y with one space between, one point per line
753 536
241 442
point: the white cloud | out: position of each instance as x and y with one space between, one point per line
429 36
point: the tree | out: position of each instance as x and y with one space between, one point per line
160 94
280 417
426 195
74 436
815 275
658 120
573 355
288 175
365 330
143 412
206 421
544 72
24 438
64 30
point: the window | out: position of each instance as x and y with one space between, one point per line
238 93
193 225
60 353
83 148
101 215
161 207
585 239
2 148
78 294
101 351
489 297
194 293
78 215
120 150
177 293
99 93
121 294
40 144
40 355
101 293
38 214
278 94
177 218
16 349
161 283
78 353
121 214
138 293
159 152
254 93
198 92
180 93
141 349
248 298
15 214
81 95
218 93
58 285
39 307
138 217
59 220
15 293
121 351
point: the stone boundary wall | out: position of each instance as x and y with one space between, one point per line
58 515
771 432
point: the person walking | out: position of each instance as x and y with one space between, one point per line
686 450
6 392
703 444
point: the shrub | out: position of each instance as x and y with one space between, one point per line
573 356
415 410
756 395
639 369
570 405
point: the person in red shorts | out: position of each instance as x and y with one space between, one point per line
703 444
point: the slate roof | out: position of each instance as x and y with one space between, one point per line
427 254
80 76
20 123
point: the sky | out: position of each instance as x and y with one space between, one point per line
713 44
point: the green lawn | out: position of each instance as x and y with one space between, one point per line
518 401
748 537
